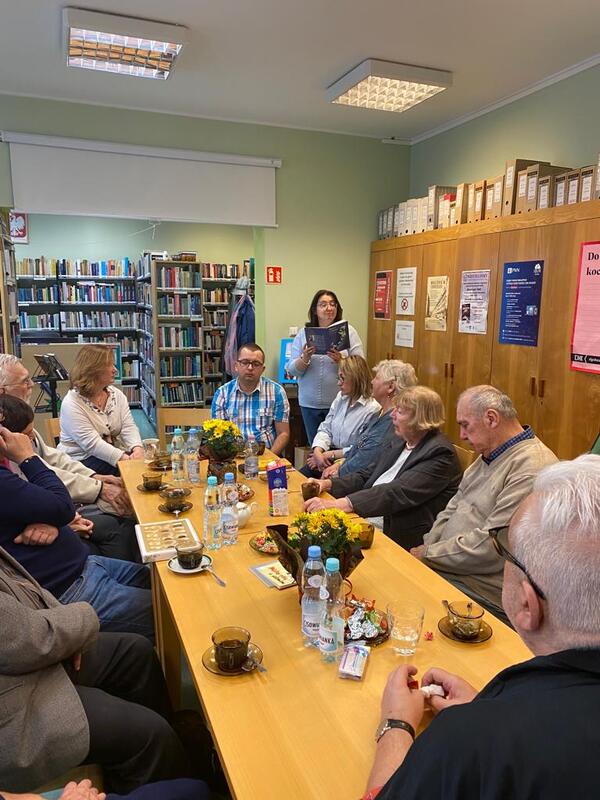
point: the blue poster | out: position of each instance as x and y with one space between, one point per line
284 356
521 300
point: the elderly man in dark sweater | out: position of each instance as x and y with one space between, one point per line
35 530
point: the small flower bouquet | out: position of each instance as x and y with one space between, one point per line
220 440
334 531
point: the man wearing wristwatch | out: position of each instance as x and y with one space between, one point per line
531 731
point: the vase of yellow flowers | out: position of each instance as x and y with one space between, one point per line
334 531
220 442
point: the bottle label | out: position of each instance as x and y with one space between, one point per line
310 625
230 528
315 581
327 639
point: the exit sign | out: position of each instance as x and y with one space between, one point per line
273 273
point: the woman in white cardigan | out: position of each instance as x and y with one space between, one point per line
96 426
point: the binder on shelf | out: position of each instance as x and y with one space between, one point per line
572 187
512 168
434 193
545 192
586 183
560 189
521 198
479 210
534 173
461 206
489 198
471 202
422 216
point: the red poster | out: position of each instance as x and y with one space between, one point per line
382 298
585 341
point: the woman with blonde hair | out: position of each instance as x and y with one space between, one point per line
390 378
96 425
351 407
414 478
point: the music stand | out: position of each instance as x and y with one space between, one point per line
47 374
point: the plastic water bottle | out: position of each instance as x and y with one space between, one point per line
177 459
229 498
331 629
192 464
313 577
213 522
251 458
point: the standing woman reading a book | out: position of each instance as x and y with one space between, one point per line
317 373
96 426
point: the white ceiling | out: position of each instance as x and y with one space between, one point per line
269 61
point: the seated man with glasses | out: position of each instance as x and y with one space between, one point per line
257 405
531 732
510 457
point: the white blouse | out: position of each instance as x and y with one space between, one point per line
340 427
86 430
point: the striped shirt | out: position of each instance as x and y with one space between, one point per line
255 414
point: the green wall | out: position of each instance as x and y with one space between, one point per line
560 123
329 190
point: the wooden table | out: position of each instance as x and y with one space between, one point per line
298 731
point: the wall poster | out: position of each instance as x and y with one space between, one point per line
585 340
406 289
521 299
436 309
382 296
405 333
474 299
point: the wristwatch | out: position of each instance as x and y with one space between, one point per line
388 724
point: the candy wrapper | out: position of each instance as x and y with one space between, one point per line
354 661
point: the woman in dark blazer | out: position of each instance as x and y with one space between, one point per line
413 479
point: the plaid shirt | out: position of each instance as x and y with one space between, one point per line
255 414
520 437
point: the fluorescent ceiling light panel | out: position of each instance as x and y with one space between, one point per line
387 86
121 45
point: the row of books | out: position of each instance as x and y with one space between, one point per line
147 373
218 295
178 336
181 365
178 278
226 270
51 267
188 305
144 294
215 318
98 319
181 393
130 369
97 293
38 294
213 364
213 341
30 322
132 393
129 344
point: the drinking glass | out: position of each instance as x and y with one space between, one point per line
405 619
150 449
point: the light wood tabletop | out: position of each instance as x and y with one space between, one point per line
298 730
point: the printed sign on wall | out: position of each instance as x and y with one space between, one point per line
521 300
585 341
382 295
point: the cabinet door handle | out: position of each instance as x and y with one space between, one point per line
445 370
452 370
532 386
542 388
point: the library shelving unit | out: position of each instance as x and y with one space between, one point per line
9 315
184 308
83 301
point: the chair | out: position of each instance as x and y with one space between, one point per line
465 457
53 431
189 417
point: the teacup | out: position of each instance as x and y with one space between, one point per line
245 511
231 648
150 449
189 556
152 481
465 618
175 499
309 490
162 460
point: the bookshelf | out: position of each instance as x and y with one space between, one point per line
9 315
83 301
183 310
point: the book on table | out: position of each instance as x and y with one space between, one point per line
335 337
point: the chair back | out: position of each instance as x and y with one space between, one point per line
53 431
182 417
465 457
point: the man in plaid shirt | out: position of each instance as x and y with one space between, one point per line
257 405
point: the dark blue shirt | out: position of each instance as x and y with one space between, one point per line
43 497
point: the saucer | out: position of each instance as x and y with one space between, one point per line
174 566
484 634
142 488
185 507
154 466
208 659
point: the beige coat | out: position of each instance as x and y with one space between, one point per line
43 727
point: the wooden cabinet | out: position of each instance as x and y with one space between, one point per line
562 405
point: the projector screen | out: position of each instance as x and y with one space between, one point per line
61 176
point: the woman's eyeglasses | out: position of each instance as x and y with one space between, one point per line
333 304
505 553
